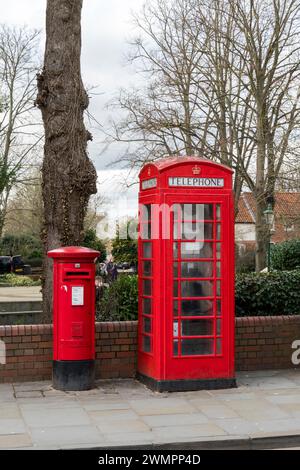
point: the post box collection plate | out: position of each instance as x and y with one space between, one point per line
77 295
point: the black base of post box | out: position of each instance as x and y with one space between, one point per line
73 375
186 385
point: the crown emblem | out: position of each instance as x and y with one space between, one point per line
149 171
196 170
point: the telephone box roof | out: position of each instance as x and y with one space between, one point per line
168 162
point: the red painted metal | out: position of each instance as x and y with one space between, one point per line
186 297
73 283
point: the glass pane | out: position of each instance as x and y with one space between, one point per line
175 308
146 231
218 234
175 269
146 306
219 307
219 346
196 250
196 230
196 269
146 325
218 327
193 211
175 250
146 344
218 250
218 212
175 329
196 307
175 289
177 210
147 268
146 212
208 211
147 250
197 327
218 289
192 347
176 231
147 287
175 347
196 288
218 269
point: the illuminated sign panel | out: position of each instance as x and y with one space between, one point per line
178 181
147 184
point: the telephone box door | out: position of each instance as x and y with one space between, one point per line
199 284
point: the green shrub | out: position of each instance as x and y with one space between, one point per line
120 300
125 250
14 280
286 255
274 293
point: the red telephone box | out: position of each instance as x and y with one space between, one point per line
186 275
73 317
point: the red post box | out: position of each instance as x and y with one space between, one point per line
73 317
186 275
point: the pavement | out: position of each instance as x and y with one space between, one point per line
263 412
20 294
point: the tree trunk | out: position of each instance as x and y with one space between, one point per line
68 175
261 232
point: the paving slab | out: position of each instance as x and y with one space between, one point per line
44 417
263 412
172 420
162 406
14 441
66 435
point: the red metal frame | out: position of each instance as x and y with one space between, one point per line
156 357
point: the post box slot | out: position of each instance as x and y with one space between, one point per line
77 273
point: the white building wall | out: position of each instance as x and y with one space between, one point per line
244 232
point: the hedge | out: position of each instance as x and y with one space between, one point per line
120 300
286 255
273 293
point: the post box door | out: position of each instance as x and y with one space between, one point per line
76 321
199 284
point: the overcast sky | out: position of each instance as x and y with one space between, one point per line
106 28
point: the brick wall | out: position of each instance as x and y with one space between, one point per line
261 343
265 342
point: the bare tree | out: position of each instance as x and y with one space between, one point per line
161 118
19 126
193 102
69 177
269 35
25 212
223 82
